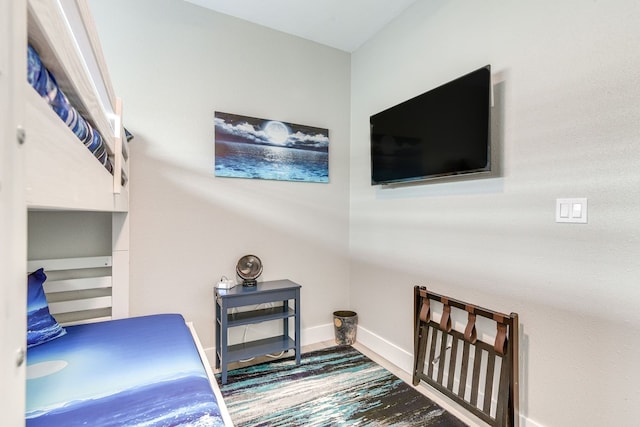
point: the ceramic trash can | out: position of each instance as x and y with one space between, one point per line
345 323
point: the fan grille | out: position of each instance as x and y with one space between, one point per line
249 267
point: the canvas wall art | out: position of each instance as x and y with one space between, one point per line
249 147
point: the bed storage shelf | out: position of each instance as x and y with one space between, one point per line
61 173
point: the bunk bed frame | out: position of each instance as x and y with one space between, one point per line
61 174
477 372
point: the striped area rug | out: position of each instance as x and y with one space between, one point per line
337 386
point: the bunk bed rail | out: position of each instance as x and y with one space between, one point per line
79 290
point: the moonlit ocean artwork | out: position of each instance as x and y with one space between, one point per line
249 147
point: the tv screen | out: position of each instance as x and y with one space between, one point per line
442 132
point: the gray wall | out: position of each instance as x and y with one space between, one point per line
566 124
174 64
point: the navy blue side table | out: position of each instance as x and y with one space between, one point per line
264 292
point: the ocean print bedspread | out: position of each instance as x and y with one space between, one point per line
143 371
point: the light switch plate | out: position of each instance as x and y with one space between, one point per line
572 210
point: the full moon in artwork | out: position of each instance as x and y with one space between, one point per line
277 132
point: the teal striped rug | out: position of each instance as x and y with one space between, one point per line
337 386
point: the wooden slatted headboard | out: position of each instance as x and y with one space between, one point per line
79 290
479 374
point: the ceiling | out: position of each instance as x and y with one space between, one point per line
342 24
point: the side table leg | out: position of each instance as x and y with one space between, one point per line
223 341
297 323
285 321
218 327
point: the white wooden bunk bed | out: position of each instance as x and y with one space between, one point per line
88 296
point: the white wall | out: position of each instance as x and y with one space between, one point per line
174 64
566 124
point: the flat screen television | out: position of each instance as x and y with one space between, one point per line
442 132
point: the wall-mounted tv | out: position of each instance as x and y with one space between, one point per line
440 133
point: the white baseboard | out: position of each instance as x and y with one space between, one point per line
317 334
528 422
394 354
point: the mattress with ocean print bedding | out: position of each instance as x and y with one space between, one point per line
143 371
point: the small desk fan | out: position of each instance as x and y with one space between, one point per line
249 267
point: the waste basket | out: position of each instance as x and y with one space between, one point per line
346 326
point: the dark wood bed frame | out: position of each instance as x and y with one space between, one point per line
462 366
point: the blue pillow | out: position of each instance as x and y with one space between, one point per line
41 326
